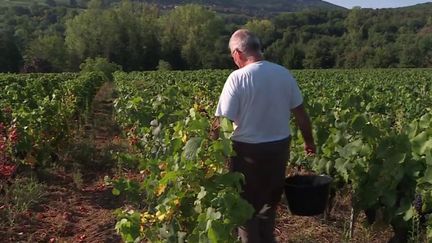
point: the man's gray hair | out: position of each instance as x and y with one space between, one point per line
246 42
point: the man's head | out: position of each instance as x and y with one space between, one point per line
245 47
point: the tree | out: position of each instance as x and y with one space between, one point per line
293 58
358 57
51 3
276 52
83 3
319 54
37 65
73 3
126 34
50 48
221 57
264 29
385 57
139 47
192 31
10 58
355 24
409 57
93 33
425 46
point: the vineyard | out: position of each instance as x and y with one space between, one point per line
36 111
373 129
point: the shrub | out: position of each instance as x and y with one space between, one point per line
100 64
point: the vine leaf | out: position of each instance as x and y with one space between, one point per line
192 148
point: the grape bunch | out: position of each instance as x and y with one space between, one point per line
418 203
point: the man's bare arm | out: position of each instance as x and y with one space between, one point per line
303 122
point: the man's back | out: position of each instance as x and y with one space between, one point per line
258 98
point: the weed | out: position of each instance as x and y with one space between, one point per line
77 178
18 197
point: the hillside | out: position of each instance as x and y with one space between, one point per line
252 7
244 7
419 6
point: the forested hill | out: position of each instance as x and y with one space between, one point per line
243 7
418 6
252 7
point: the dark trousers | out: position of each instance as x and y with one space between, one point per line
263 166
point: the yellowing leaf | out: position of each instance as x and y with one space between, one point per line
162 166
176 202
160 216
184 138
160 190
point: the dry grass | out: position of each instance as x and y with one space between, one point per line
296 229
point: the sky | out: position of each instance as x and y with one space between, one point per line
375 3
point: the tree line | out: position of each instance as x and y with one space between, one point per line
140 36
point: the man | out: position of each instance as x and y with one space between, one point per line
259 98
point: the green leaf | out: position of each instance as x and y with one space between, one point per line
169 176
192 113
429 232
115 191
202 193
212 235
421 143
429 158
212 214
340 165
226 128
329 167
350 150
425 121
409 214
137 100
405 206
199 125
427 177
181 236
370 131
192 148
358 122
412 129
227 147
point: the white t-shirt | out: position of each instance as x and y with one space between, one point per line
258 98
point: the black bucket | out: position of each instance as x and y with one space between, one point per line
307 195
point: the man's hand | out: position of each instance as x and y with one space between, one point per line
310 149
303 122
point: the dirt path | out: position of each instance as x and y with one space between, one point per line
77 207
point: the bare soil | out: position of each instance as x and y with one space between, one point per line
302 229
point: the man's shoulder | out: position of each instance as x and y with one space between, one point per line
237 74
262 66
276 66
